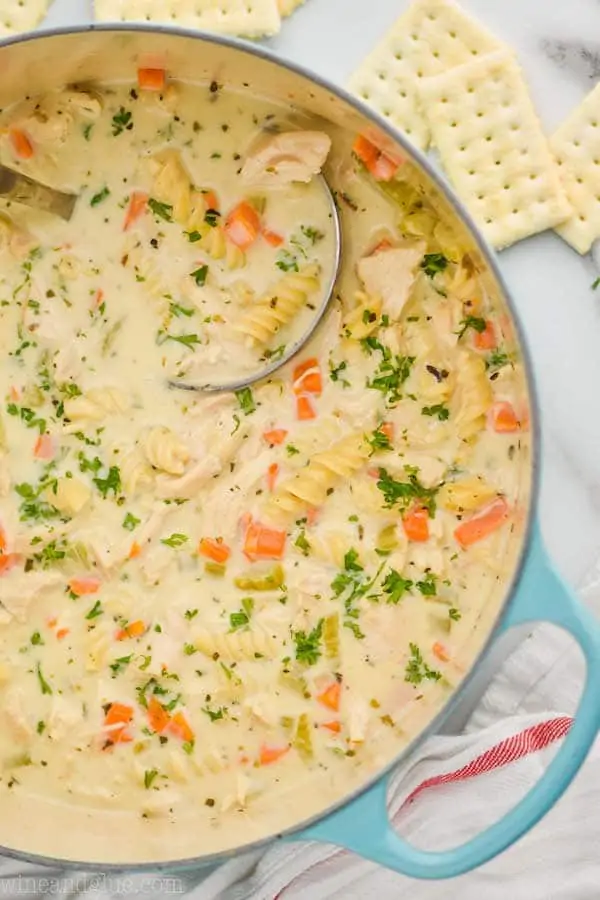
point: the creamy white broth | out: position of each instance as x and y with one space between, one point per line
163 701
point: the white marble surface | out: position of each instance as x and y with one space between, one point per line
550 282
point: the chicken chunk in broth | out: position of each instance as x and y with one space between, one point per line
218 615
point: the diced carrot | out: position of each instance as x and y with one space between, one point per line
312 514
384 244
44 447
483 523
83 586
373 472
180 727
98 298
503 417
416 524
14 393
272 238
275 436
387 428
272 473
152 79
384 168
2 539
62 633
377 163
304 408
137 207
365 150
22 146
263 543
134 550
242 225
215 549
158 716
118 714
270 755
440 652
51 622
330 697
334 726
486 340
8 561
211 200
133 630
245 521
307 378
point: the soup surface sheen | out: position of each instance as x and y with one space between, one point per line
221 613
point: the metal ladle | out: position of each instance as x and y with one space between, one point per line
240 383
22 189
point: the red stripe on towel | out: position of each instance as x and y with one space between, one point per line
531 740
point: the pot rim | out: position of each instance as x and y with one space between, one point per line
173 867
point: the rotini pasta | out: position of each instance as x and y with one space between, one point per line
311 486
95 405
279 305
245 645
165 451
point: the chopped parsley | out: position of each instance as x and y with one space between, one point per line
150 776
130 522
432 263
403 493
241 619
120 664
351 584
215 714
245 398
176 540
291 450
36 639
417 669
190 649
188 340
286 261
428 586
334 372
308 646
161 210
595 283
190 614
211 217
302 543
87 131
95 611
44 686
439 409
121 121
455 614
379 440
391 373
28 416
496 360
395 586
475 322
177 310
100 196
199 275
112 482
193 236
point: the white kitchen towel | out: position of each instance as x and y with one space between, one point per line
452 788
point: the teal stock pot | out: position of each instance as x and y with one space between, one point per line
532 591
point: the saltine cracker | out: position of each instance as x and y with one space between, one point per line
493 148
256 19
432 37
576 146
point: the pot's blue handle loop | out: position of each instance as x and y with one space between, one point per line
363 825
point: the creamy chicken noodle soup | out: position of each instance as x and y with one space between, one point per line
221 613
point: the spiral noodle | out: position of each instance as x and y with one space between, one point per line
136 474
96 404
164 450
472 396
279 305
245 645
363 320
310 487
214 242
171 184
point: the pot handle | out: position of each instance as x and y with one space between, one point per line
363 825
